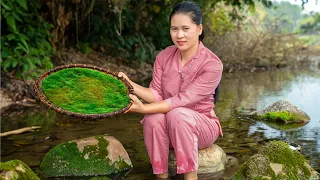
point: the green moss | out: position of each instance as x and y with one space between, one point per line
280 152
19 170
282 116
258 166
66 159
86 91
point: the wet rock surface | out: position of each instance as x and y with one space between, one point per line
212 161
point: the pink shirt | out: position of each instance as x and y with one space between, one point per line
190 86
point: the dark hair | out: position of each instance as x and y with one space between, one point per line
193 10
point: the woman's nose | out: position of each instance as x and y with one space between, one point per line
180 34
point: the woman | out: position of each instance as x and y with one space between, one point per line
179 113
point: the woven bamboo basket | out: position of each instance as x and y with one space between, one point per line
45 100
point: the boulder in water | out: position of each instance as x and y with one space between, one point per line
212 161
276 161
93 156
16 170
282 111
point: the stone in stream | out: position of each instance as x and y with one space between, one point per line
276 161
281 111
212 162
16 170
92 156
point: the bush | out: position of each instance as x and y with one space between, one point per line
25 49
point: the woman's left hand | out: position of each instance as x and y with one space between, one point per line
137 106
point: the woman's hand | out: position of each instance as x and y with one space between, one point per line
121 74
137 106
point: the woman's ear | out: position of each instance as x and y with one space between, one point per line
200 29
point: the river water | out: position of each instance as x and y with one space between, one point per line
240 92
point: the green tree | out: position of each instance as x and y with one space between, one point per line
25 49
310 24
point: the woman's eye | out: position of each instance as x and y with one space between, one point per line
173 29
185 29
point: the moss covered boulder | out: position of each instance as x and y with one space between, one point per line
276 161
281 111
16 170
93 156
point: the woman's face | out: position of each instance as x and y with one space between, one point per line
184 32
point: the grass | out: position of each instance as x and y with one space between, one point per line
85 91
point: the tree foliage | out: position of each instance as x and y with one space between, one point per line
134 29
310 24
25 49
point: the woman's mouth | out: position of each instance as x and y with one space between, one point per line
181 43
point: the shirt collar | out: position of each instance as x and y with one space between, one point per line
200 51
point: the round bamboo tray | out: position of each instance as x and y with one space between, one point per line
44 99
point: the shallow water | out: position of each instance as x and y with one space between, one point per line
242 91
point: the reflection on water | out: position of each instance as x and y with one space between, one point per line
242 138
303 92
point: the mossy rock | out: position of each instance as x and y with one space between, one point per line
276 161
85 91
16 170
93 156
282 112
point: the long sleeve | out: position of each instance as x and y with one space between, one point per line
155 85
200 88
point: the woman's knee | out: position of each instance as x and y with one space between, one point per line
153 120
180 116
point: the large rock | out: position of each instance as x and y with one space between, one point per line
99 155
16 170
276 161
211 160
282 111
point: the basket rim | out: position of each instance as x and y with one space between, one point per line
43 98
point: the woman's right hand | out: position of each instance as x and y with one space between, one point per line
121 74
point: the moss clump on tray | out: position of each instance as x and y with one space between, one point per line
85 91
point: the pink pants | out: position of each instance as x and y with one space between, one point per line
184 130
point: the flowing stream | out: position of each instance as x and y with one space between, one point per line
241 91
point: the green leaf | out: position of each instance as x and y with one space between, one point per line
11 22
6 64
16 16
37 61
23 3
25 67
16 50
5 53
22 36
14 63
26 47
20 11
5 6
11 37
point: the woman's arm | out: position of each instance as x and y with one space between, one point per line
155 107
144 93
